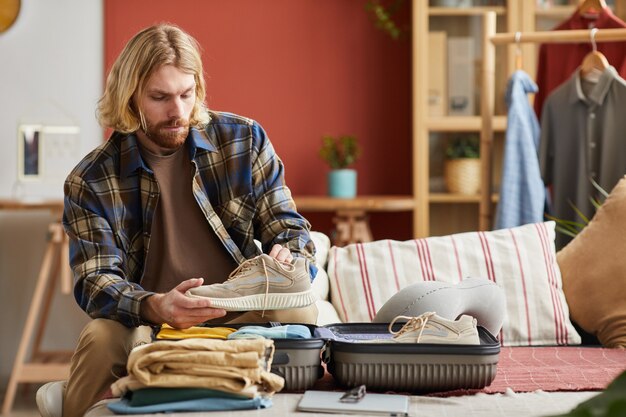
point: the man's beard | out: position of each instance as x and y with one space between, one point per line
168 139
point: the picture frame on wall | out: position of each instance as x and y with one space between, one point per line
47 152
29 152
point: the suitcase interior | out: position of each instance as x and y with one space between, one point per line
353 358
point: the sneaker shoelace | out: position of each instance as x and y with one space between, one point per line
413 323
248 264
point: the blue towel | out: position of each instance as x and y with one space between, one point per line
204 404
288 331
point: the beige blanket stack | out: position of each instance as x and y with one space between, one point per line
234 366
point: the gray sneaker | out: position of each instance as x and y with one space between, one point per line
261 283
430 328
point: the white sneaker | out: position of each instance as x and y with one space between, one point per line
50 399
430 328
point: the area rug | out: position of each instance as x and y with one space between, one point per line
571 368
550 369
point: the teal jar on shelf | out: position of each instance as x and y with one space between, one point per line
342 183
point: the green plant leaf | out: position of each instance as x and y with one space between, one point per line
383 16
595 202
601 190
464 146
578 212
572 228
565 231
567 227
340 152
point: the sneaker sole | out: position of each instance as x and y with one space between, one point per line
259 301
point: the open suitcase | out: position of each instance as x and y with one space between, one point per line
353 357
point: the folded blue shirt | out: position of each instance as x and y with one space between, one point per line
203 404
288 331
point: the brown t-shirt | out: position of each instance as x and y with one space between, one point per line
182 244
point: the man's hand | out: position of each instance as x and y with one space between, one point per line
178 310
281 253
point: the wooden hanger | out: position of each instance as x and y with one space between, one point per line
594 60
591 7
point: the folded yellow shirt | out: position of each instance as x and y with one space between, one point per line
167 332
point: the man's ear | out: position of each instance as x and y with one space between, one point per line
133 105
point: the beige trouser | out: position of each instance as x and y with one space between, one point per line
104 345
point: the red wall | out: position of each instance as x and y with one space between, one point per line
301 68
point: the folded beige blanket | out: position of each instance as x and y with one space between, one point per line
238 366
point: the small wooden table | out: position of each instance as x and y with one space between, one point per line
351 222
54 206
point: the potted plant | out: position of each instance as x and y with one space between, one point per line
462 165
340 153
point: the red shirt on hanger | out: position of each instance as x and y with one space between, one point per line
557 61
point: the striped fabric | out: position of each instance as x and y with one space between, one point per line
520 260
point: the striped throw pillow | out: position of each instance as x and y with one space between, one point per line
520 260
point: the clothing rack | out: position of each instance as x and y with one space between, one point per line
489 41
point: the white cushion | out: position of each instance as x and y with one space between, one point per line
520 260
322 246
326 313
321 285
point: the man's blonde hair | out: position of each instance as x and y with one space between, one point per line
146 52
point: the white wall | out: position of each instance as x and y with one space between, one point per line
51 72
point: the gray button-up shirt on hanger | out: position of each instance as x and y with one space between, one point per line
583 136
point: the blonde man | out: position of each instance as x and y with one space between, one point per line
173 200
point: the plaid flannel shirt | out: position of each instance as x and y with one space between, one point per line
111 197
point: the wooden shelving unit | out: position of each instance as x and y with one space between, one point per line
556 11
437 212
447 204
462 124
361 203
465 11
458 198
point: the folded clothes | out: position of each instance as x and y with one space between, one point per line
232 382
205 404
152 396
239 366
167 332
288 331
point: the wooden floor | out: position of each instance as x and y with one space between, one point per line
24 405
